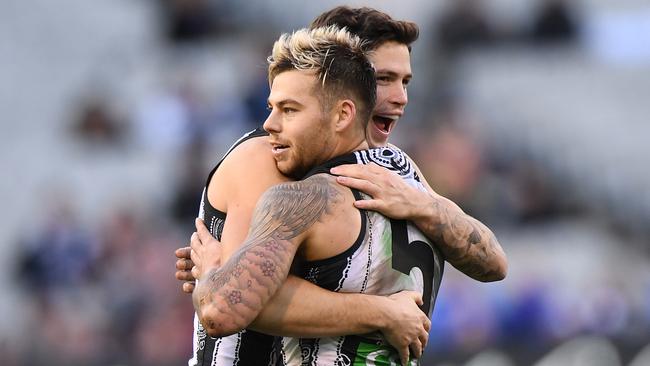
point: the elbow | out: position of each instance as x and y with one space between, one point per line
219 323
498 272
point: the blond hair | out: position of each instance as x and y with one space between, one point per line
336 57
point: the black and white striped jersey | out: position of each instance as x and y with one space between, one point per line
246 348
388 256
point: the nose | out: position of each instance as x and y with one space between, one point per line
399 95
271 125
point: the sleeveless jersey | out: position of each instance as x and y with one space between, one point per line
247 347
389 256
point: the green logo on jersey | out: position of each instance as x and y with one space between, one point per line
369 354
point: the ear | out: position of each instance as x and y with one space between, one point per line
346 115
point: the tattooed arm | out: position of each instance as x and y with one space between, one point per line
466 243
229 298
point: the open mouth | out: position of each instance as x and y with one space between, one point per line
278 148
384 123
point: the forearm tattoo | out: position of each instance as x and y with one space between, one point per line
466 243
242 286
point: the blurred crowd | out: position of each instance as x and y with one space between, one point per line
95 284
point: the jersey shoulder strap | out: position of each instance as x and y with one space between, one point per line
258 132
388 157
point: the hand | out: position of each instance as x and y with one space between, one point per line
205 250
407 327
184 269
391 195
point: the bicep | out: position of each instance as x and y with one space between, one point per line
245 177
235 228
235 293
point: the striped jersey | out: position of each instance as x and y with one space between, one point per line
388 256
247 347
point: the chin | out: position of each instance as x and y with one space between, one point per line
290 171
378 142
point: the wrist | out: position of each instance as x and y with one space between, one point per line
205 270
375 315
381 318
425 208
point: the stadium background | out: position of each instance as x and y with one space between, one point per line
533 116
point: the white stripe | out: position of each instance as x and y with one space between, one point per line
215 351
195 343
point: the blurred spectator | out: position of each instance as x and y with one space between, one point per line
554 23
187 191
63 254
97 125
449 156
464 24
101 301
461 26
173 119
530 191
255 100
190 20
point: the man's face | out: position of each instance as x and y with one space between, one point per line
392 63
301 134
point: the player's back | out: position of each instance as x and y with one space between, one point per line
233 187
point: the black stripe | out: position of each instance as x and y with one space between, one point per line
326 166
255 349
204 357
350 346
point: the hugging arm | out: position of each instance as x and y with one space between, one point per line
465 242
227 299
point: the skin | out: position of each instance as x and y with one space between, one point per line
466 243
392 63
480 258
290 216
251 169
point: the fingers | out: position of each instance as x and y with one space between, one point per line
371 205
363 185
423 338
188 287
359 171
184 264
195 272
418 299
404 355
416 348
415 296
185 275
195 242
201 230
194 258
183 253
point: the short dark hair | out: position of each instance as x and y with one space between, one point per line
339 61
373 26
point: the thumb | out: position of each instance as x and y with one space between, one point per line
201 230
417 297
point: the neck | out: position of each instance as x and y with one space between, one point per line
346 146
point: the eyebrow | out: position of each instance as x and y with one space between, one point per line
392 74
283 102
